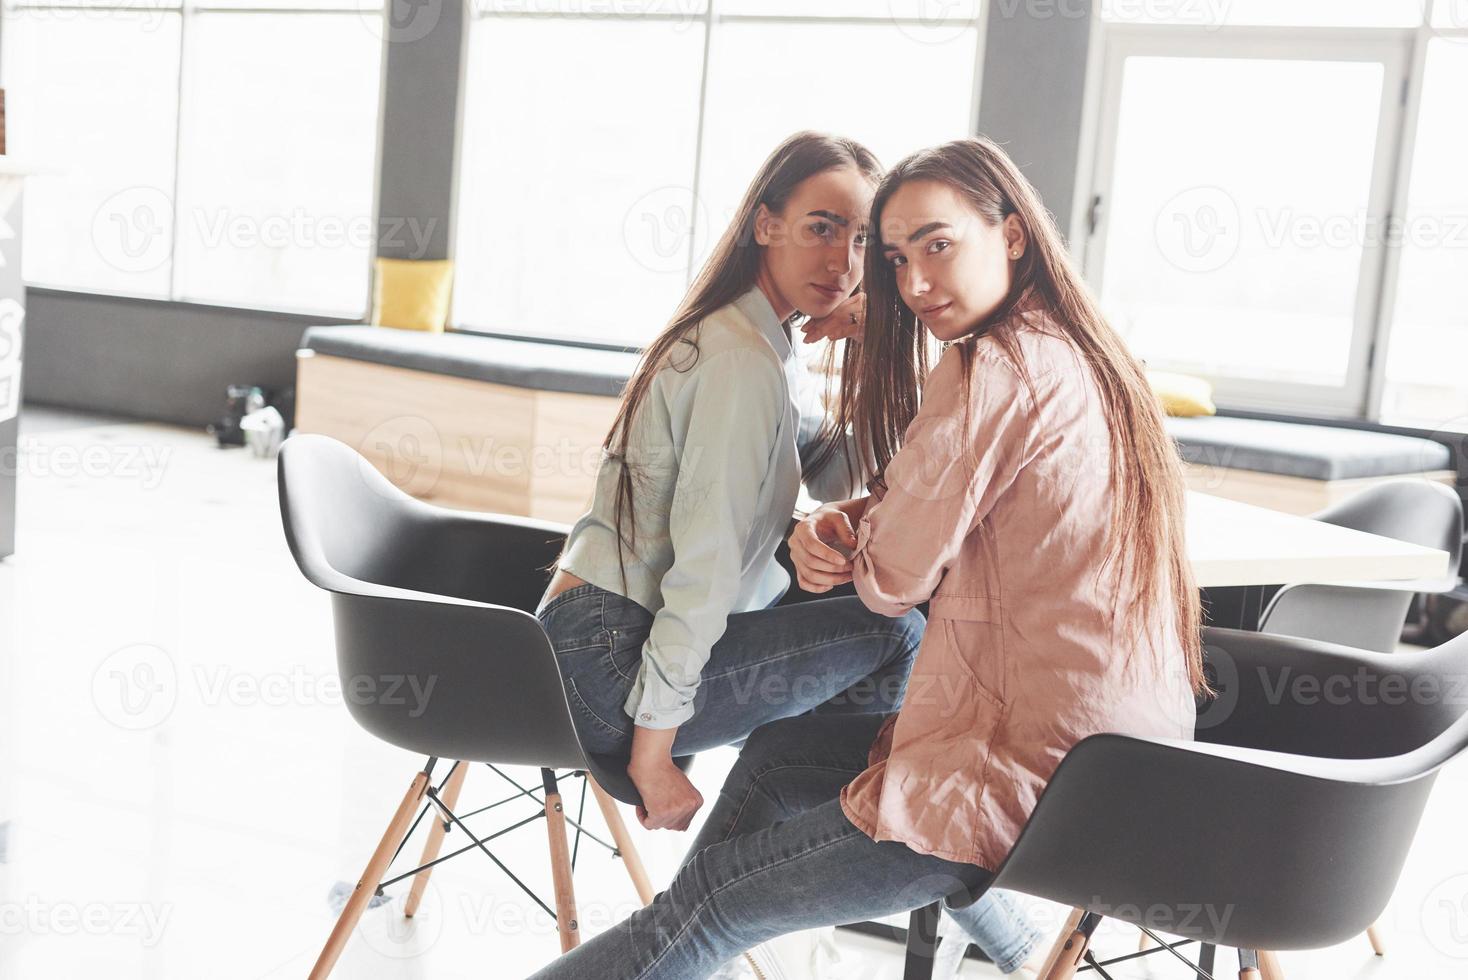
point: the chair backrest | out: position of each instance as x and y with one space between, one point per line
1417 511
1284 827
427 660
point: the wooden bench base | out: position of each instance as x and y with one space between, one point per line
457 442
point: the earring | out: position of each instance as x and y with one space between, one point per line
1014 254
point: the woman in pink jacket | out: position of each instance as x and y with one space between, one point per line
1036 502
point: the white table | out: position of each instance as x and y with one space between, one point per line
1231 543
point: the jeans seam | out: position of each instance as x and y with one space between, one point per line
787 654
755 777
586 709
854 832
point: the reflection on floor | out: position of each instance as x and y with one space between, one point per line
180 787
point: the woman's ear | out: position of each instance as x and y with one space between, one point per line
766 225
1015 239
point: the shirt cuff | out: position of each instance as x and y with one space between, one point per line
656 705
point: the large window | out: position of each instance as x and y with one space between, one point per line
1253 220
603 153
219 152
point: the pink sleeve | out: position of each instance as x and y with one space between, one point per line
942 482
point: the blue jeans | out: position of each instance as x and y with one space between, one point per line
829 655
776 855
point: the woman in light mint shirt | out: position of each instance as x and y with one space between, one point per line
662 609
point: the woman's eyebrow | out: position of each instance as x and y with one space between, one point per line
830 215
927 229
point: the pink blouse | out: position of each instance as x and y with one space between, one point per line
1004 525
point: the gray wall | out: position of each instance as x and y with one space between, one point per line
171 361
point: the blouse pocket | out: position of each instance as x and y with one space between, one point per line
973 628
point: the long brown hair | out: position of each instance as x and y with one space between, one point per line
729 272
885 372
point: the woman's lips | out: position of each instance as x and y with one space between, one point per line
935 310
832 291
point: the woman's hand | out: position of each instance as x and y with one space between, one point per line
669 799
814 544
847 322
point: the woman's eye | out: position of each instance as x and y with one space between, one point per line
941 245
897 261
861 239
821 228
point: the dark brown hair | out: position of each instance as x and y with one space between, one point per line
729 272
883 376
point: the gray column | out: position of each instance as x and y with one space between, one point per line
419 109
1033 91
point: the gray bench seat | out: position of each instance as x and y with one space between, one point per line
1314 452
520 363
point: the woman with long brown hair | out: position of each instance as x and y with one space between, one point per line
1028 491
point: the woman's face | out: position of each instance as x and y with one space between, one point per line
813 248
952 266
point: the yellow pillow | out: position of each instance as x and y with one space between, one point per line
1182 394
412 294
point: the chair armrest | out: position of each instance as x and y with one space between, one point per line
1235 846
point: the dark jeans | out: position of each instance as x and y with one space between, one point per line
830 656
776 855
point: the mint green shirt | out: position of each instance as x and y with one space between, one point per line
715 452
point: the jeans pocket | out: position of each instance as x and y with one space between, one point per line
604 728
573 620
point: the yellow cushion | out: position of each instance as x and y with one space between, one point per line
412 294
1182 394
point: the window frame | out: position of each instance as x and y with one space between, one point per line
184 9
1393 48
710 19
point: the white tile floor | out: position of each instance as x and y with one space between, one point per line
181 786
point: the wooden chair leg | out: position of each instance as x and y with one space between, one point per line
560 853
1374 935
1069 947
436 832
371 878
1269 968
623 840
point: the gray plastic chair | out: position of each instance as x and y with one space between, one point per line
427 599
1371 617
1284 826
